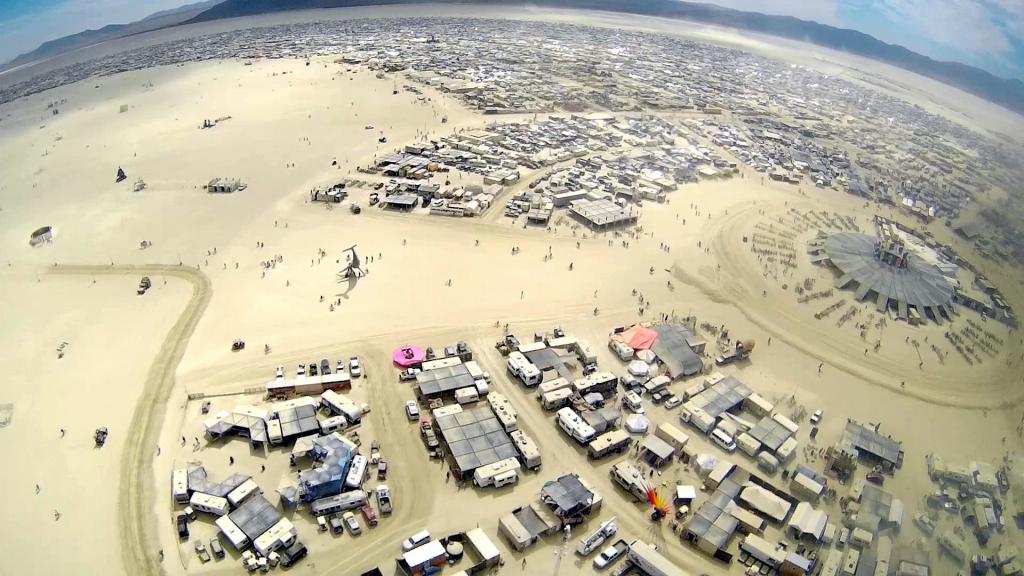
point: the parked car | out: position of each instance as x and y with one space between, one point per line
341 367
352 523
325 367
301 370
412 410
182 523
408 374
280 372
673 401
201 551
312 368
216 548
418 539
610 555
816 417
354 369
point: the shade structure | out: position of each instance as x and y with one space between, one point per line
407 356
637 337
639 368
705 463
637 423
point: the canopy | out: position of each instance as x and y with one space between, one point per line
407 356
639 368
637 337
637 423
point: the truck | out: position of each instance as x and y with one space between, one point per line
383 495
369 514
740 352
428 435
589 544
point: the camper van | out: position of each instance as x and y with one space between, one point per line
485 476
356 472
630 479
340 503
616 441
604 383
723 439
527 448
557 399
179 485
467 395
574 426
632 402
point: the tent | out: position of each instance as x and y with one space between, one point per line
637 337
647 356
637 423
407 356
639 368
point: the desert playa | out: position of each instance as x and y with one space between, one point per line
265 265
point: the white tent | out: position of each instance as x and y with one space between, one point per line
647 356
704 464
637 423
639 368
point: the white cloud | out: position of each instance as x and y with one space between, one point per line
964 25
25 33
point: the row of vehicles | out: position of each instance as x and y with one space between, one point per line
355 369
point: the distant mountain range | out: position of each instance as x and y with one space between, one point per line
1008 93
154 21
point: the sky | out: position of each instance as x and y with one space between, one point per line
988 34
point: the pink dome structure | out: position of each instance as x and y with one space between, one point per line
407 356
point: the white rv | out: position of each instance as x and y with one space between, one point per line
629 477
609 442
467 395
356 472
485 476
341 404
210 504
556 399
552 385
527 448
574 426
179 485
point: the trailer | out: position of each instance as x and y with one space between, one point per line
242 493
604 383
340 404
210 504
338 503
672 435
557 399
551 386
528 451
630 479
574 426
616 441
485 476
179 485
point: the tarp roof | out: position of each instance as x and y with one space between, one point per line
637 337
475 438
866 440
673 351
658 447
567 495
770 433
807 521
255 516
439 381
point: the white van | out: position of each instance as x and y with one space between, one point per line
632 401
724 440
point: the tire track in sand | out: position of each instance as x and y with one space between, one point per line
135 526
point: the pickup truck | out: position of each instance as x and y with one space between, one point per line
369 514
429 437
383 499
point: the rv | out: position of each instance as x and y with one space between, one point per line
179 485
615 441
467 395
649 561
210 504
585 353
603 383
522 368
246 489
551 386
339 503
477 372
332 424
632 402
485 476
339 404
557 399
574 426
629 477
446 362
504 411
527 448
356 472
